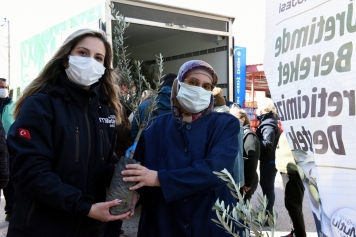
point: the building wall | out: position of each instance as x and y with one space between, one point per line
37 50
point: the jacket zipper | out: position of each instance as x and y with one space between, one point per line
76 158
76 144
89 139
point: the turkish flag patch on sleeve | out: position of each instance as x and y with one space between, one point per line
24 133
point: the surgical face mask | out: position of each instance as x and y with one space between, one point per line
84 71
3 93
193 98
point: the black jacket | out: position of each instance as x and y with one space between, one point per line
251 155
63 142
268 134
4 159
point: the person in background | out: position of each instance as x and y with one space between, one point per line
293 186
4 159
251 153
6 109
179 152
229 103
268 134
163 105
63 142
6 105
146 95
219 101
124 89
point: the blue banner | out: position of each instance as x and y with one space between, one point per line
240 74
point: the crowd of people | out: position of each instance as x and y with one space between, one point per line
62 139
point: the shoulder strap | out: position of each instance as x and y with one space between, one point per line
248 131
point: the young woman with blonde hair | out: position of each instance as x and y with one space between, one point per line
63 141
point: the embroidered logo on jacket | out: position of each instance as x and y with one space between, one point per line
110 120
24 133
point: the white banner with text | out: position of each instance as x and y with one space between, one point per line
310 65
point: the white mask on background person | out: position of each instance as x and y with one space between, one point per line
84 71
193 98
3 93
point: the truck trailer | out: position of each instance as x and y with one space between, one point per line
179 35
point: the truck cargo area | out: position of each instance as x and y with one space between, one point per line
179 35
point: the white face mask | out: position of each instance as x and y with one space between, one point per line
3 93
193 98
84 71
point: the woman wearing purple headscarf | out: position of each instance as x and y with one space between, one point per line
179 152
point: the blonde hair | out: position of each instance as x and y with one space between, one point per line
55 66
146 95
236 109
266 105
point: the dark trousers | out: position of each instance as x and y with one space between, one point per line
9 192
293 201
252 190
112 228
268 173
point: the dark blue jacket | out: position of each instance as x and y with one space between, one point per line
185 157
62 141
268 133
163 107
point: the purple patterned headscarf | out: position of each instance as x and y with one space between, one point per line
193 64
178 112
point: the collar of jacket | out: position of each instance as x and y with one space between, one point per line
166 90
266 116
164 98
5 100
71 92
247 126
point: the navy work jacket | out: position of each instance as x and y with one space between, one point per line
185 156
62 143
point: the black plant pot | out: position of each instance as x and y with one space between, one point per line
119 189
